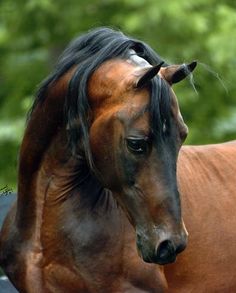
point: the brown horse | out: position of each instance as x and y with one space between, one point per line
97 177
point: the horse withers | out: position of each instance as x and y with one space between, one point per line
97 175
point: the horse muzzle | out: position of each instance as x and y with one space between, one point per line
164 252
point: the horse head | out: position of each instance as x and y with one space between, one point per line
123 118
135 135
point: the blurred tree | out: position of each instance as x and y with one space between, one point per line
34 32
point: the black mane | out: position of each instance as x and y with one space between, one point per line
90 51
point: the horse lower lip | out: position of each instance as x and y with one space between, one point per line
160 261
157 260
164 261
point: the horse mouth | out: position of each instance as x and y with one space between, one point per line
158 260
166 253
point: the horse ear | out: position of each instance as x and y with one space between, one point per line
175 73
147 75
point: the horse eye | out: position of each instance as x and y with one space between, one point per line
137 145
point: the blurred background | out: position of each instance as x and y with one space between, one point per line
33 33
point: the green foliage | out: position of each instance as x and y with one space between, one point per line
34 32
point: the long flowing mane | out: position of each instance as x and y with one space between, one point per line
89 51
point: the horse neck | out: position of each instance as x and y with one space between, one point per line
45 123
48 173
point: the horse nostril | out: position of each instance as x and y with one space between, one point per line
166 251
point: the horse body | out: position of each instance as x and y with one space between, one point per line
97 177
207 182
